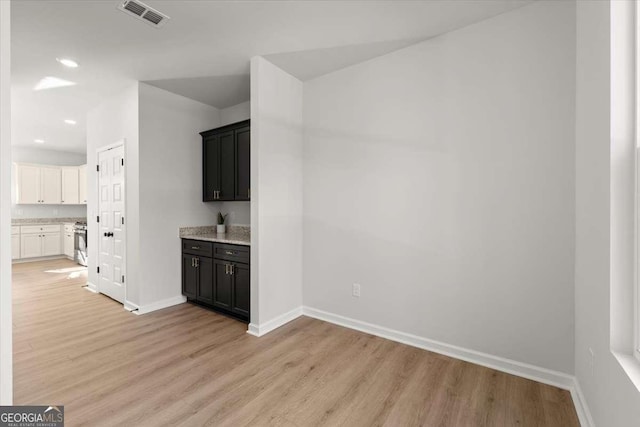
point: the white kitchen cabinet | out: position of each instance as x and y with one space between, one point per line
15 242
30 245
82 184
38 184
51 244
28 182
70 186
68 240
51 187
15 246
40 241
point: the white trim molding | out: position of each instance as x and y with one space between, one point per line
129 306
525 370
91 288
158 305
275 323
513 367
580 403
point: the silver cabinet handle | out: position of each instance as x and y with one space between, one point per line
228 252
195 247
193 263
226 269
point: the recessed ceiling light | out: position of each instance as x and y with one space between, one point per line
67 62
39 141
52 82
70 122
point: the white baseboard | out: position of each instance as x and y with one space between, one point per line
265 328
91 287
525 370
129 306
159 305
41 258
579 401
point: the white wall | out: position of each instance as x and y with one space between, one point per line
116 119
276 192
6 357
235 113
170 186
441 178
46 157
611 396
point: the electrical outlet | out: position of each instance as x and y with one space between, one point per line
356 290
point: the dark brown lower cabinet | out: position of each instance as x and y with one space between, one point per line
217 276
222 291
197 278
241 280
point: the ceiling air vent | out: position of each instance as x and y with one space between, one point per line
143 12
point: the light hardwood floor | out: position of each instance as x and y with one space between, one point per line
189 366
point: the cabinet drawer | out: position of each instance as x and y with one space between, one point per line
29 229
235 253
15 229
197 247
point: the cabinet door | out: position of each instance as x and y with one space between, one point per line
68 239
51 185
28 184
210 167
30 245
189 276
241 290
51 244
227 166
205 280
70 186
222 284
15 246
82 185
243 163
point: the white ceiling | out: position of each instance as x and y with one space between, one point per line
203 51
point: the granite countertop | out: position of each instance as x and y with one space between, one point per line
235 235
38 221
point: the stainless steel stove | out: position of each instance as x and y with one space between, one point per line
80 243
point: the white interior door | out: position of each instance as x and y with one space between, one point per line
111 249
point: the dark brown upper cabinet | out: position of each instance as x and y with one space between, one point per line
226 163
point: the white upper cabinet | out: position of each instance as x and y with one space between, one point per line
28 181
82 184
70 186
52 185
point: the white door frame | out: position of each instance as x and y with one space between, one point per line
121 143
6 326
